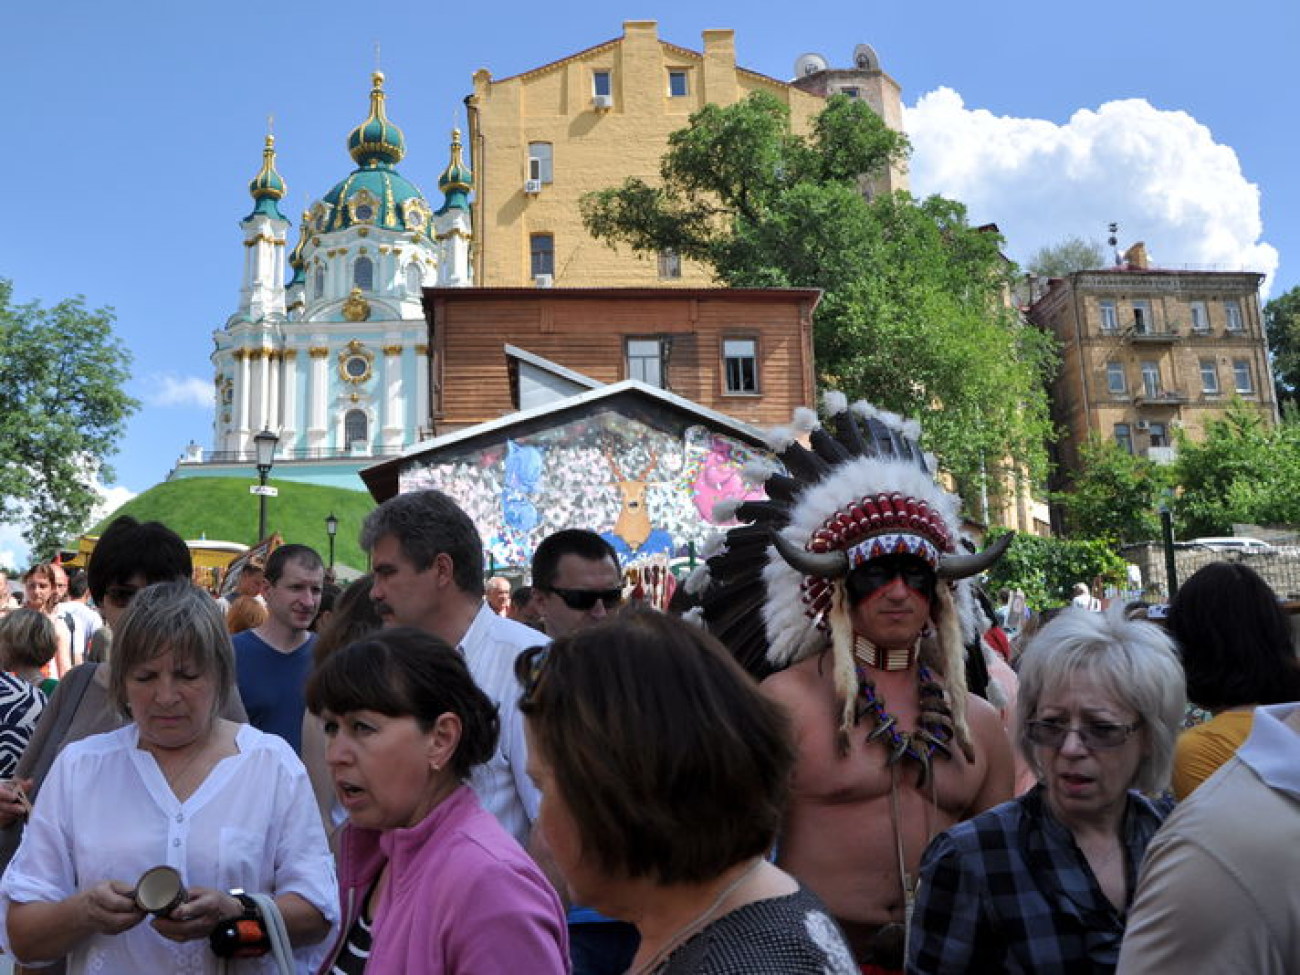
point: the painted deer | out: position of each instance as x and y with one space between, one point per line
633 524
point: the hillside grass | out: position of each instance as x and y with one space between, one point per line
221 509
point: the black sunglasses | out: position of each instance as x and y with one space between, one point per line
584 599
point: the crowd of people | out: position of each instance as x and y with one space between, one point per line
825 759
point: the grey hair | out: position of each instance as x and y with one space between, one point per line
176 616
1133 659
427 524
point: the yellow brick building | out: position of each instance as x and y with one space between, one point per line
1146 351
542 139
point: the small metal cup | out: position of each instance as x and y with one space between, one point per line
160 891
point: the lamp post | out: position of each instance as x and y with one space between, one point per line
331 529
264 450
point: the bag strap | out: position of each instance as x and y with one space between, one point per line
281 949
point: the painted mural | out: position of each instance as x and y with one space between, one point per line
649 491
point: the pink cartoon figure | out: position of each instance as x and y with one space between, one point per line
719 479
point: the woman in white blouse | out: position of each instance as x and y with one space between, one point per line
225 805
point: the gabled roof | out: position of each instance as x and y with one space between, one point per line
513 352
382 478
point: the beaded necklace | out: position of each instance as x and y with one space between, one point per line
934 724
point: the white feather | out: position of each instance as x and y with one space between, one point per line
805 420
835 402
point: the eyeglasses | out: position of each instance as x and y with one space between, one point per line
1093 734
584 599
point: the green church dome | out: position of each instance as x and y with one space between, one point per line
377 140
267 187
457 180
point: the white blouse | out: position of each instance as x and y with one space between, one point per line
106 813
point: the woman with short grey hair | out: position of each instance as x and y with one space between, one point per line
1043 883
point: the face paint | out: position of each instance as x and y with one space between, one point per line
873 576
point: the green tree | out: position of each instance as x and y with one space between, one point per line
1116 494
1243 472
914 315
1046 569
1070 255
62 410
1282 326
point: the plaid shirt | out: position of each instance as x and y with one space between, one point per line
1010 891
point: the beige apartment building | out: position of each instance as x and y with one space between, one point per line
1146 351
541 139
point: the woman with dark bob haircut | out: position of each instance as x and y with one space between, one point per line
430 882
664 776
1236 647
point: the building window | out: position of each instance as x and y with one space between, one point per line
413 278
1232 309
363 274
1124 437
601 85
318 283
645 361
677 84
850 91
1209 377
539 162
1241 375
1115 378
542 251
1159 434
670 263
740 363
355 428
1109 319
1151 378
1142 321
1200 317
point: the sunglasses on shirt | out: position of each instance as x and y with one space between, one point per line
584 599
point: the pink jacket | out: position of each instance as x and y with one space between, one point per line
463 897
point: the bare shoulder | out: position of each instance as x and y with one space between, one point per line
982 717
798 682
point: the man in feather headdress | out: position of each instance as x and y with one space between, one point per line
846 592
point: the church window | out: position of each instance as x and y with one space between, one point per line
318 283
355 427
363 274
413 278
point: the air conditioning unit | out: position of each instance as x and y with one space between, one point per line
602 101
532 186
543 280
1144 425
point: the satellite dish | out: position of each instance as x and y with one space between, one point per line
807 64
864 58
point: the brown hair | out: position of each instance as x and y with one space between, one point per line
45 571
245 613
674 765
27 639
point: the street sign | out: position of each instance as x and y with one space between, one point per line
264 489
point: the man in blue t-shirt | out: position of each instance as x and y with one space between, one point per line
272 661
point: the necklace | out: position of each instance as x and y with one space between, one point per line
934 725
694 924
868 653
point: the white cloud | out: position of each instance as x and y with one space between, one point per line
166 389
110 499
1158 173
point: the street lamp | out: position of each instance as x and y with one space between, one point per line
264 449
331 529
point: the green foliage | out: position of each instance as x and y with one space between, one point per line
1046 569
913 315
221 509
1115 495
1282 326
62 411
1244 471
1070 255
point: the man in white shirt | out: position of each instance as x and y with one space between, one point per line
81 619
427 559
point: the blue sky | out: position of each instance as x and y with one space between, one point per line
133 129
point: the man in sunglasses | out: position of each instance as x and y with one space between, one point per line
576 583
576 580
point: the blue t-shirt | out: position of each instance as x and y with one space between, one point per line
271 685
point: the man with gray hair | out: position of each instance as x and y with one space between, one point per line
427 559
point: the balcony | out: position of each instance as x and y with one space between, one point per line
1141 333
1162 455
1159 397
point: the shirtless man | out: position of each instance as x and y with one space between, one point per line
864 619
855 817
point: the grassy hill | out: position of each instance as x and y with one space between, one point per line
220 508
